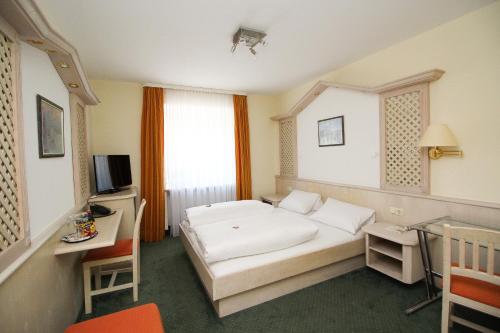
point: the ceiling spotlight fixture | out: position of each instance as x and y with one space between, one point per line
63 65
73 85
251 38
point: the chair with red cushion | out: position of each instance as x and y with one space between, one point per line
104 261
472 287
141 319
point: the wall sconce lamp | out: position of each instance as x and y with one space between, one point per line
439 136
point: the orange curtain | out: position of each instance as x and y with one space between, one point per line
153 223
242 148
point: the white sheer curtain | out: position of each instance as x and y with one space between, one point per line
199 151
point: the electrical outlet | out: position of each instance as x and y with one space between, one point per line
396 211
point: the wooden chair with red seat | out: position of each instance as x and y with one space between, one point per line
124 251
140 319
471 287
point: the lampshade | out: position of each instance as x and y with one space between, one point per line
438 136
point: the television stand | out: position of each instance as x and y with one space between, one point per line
124 199
110 191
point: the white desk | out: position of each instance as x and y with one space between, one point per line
125 200
107 228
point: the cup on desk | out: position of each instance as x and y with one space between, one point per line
84 225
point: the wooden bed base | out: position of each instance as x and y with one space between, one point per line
241 290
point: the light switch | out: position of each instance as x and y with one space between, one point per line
396 211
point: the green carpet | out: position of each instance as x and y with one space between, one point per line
361 301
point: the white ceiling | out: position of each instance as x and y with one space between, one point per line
187 42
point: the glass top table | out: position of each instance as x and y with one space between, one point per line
435 228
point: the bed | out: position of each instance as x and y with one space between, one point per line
239 283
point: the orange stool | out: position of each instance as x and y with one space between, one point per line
145 318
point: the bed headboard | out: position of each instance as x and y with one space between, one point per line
416 208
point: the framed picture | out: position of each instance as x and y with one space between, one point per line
50 128
331 132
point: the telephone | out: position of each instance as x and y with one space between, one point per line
100 211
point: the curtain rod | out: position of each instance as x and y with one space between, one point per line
208 90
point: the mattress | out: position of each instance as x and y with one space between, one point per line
326 237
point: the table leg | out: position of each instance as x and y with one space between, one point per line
429 265
432 295
425 262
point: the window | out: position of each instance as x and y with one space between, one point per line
200 165
14 233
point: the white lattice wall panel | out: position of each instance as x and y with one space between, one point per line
10 228
80 151
402 135
403 118
288 147
83 155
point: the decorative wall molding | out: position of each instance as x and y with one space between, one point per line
424 77
320 86
32 27
404 116
198 89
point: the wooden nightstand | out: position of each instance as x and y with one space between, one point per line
394 252
273 199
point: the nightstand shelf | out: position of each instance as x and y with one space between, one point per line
388 248
393 252
387 265
273 199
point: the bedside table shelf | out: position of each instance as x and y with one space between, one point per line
387 265
388 248
273 199
393 252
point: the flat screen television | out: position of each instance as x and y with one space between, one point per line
112 172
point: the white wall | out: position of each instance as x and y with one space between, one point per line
355 163
49 180
115 123
264 148
466 97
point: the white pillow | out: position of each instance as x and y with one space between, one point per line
300 201
318 204
343 215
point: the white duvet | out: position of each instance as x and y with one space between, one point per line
253 235
222 211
